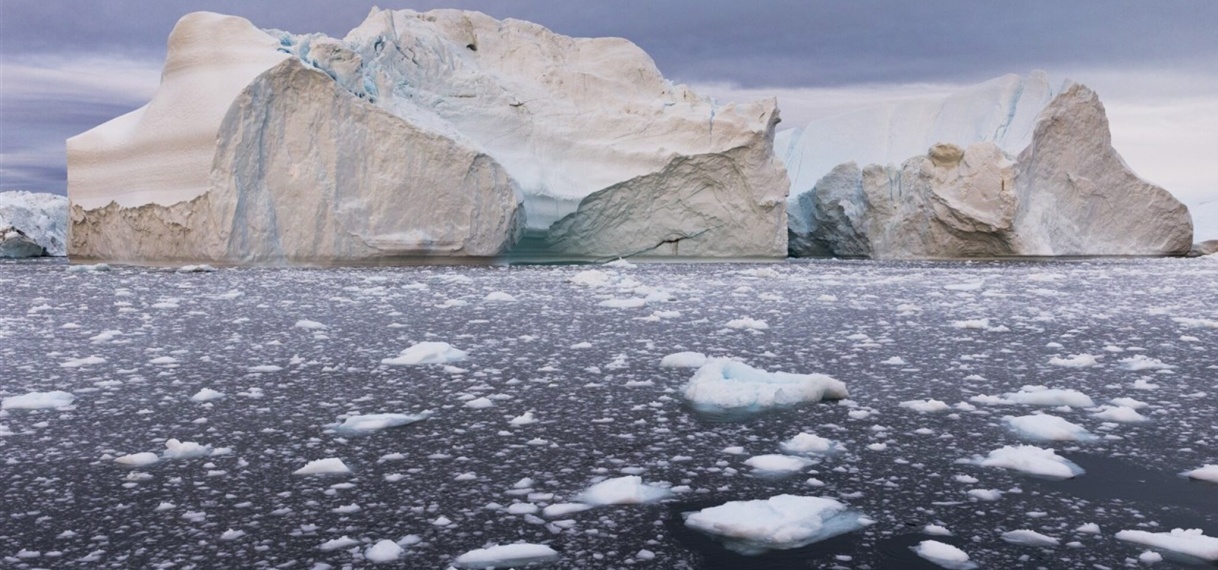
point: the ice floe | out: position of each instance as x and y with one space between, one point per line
781 522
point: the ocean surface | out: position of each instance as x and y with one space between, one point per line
296 351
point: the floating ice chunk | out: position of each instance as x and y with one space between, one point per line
926 406
972 324
1143 362
747 323
1129 403
175 449
265 368
1026 537
507 556
1032 460
591 278
138 459
807 443
1074 361
564 509
628 490
1042 396
1044 427
338 543
231 534
944 555
630 303
206 395
774 463
1206 473
38 401
1088 528
779 523
1121 414
936 530
985 494
895 361
523 419
383 551
86 361
683 360
427 353
499 297
722 383
480 403
1191 542
163 360
368 423
331 465
309 325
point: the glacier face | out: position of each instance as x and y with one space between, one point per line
1032 181
438 133
32 224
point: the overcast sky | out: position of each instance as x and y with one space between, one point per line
68 66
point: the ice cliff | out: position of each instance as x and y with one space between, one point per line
32 224
1013 169
421 134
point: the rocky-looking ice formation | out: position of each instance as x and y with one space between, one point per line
978 193
32 224
421 134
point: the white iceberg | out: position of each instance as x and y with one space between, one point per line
683 360
779 523
810 444
944 555
427 353
1025 537
38 401
1032 460
1043 396
1205 473
33 224
383 551
1192 542
368 423
777 464
175 449
507 556
141 459
328 466
628 490
1044 427
723 383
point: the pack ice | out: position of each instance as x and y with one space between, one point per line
265 147
1014 168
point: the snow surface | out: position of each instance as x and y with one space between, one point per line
781 522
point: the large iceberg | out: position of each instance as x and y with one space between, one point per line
33 224
421 134
1014 168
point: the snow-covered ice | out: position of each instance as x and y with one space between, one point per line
1032 460
781 522
427 353
507 556
38 401
627 490
1190 542
722 383
328 466
1044 427
368 423
945 555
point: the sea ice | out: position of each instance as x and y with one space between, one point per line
628 490
331 465
1042 396
747 323
1074 361
1206 473
779 523
807 443
683 360
138 459
175 449
383 551
722 383
1048 428
1121 414
944 555
1142 362
774 463
1026 537
1192 542
507 556
427 353
38 401
1032 460
926 406
206 395
368 423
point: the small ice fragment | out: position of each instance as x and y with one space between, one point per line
926 406
722 383
507 556
38 401
1026 537
383 551
427 353
779 523
1044 427
626 490
944 555
138 459
1032 460
1192 542
683 360
1206 473
774 463
331 465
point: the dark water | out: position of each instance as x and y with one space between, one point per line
602 411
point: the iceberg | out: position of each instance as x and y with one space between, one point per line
944 555
1044 427
781 522
1014 168
33 224
1193 542
628 490
368 423
507 556
1031 460
262 146
724 384
427 353
38 401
